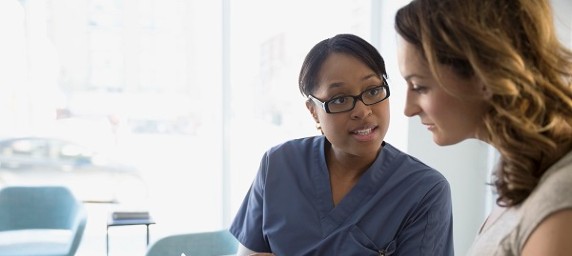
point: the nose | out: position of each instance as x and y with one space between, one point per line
411 107
361 110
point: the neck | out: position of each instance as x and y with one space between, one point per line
347 166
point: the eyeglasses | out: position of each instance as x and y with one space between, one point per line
346 103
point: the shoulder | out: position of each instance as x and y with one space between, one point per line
551 200
297 145
400 156
560 174
411 166
552 235
296 155
554 190
407 174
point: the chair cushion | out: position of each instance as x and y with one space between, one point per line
35 242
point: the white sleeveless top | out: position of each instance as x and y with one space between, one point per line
506 235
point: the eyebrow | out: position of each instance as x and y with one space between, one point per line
408 77
369 76
339 84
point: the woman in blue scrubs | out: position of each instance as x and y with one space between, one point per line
346 192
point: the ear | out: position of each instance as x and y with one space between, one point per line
312 108
485 91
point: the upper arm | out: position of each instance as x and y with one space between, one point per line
247 225
243 251
438 233
430 229
552 236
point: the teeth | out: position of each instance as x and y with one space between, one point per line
363 132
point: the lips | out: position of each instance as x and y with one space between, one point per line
429 126
365 134
364 131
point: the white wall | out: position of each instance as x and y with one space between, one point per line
563 21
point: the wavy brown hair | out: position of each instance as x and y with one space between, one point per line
511 47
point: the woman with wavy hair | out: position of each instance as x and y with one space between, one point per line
494 70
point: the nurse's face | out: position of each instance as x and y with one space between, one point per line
451 119
361 130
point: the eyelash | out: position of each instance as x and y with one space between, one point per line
418 89
344 95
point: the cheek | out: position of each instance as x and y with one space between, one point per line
447 111
383 118
432 108
327 121
334 126
437 109
384 127
383 113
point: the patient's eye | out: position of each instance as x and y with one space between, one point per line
418 88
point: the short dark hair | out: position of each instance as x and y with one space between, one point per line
341 43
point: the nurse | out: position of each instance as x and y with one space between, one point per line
346 192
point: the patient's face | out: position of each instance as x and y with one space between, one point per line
453 110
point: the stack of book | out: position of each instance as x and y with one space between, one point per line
130 215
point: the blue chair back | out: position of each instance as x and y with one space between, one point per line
42 207
213 243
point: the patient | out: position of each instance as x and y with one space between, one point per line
500 75
347 191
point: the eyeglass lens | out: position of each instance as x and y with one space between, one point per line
368 97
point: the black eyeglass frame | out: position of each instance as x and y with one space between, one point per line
325 104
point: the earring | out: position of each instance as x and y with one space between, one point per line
319 128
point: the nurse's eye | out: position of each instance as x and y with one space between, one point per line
374 91
339 101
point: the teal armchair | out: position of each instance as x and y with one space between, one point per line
44 220
212 243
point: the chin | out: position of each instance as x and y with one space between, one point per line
441 141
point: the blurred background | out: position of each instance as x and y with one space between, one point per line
168 105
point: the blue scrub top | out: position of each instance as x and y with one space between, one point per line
400 206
